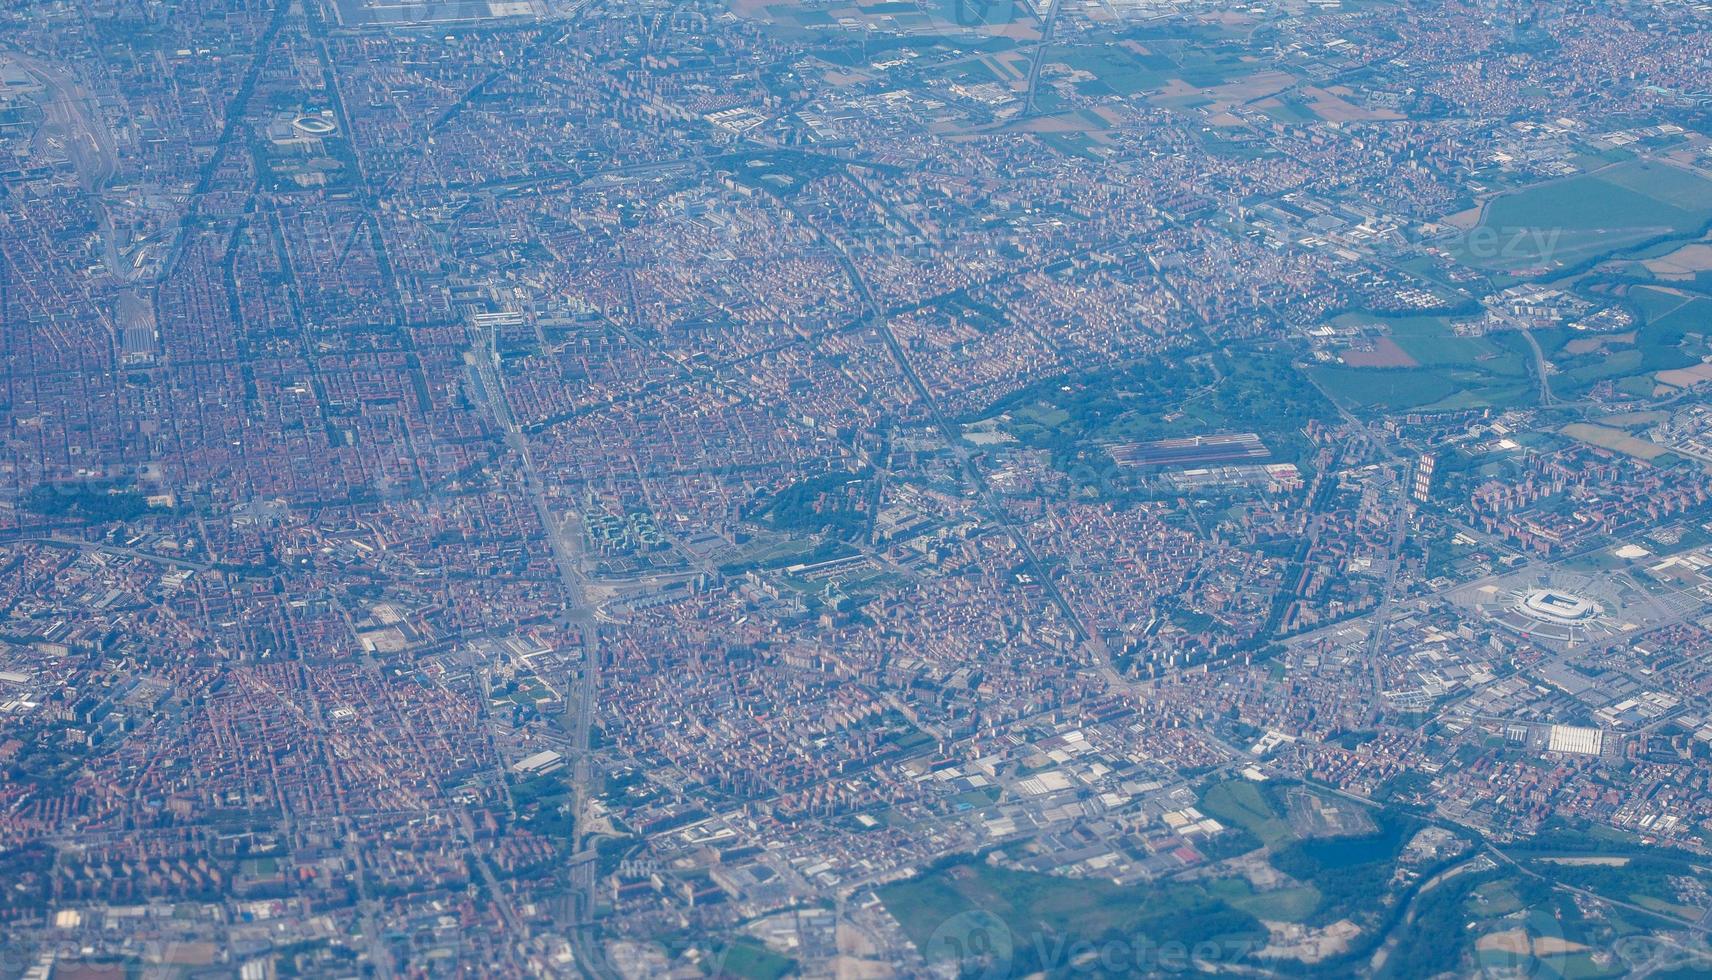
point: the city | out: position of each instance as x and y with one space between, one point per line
855 488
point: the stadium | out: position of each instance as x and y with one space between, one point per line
1562 608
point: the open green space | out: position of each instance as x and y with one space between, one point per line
1046 915
1352 874
1615 198
1452 372
1433 342
979 13
1669 333
1668 321
1574 220
1075 416
1426 389
1241 803
1290 904
750 960
1199 55
1292 108
1116 69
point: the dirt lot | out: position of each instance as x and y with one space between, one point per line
1686 377
1517 943
1329 105
1614 439
1683 263
1583 345
1383 353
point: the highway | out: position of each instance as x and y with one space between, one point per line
1040 50
1547 399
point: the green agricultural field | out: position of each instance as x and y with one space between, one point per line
1117 69
1666 322
1565 222
1453 372
1241 803
1428 389
1495 899
1281 905
1292 109
1043 913
1292 904
1672 185
1432 342
1211 71
980 13
1609 364
1654 304
1675 320
1202 58
1586 203
752 961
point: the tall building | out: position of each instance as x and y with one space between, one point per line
1424 477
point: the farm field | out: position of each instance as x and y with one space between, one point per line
1040 913
1661 345
1241 803
1432 389
1438 369
1616 439
1565 222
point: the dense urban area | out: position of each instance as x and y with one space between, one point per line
855 488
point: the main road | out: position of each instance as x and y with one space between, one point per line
578 614
1040 51
1547 399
